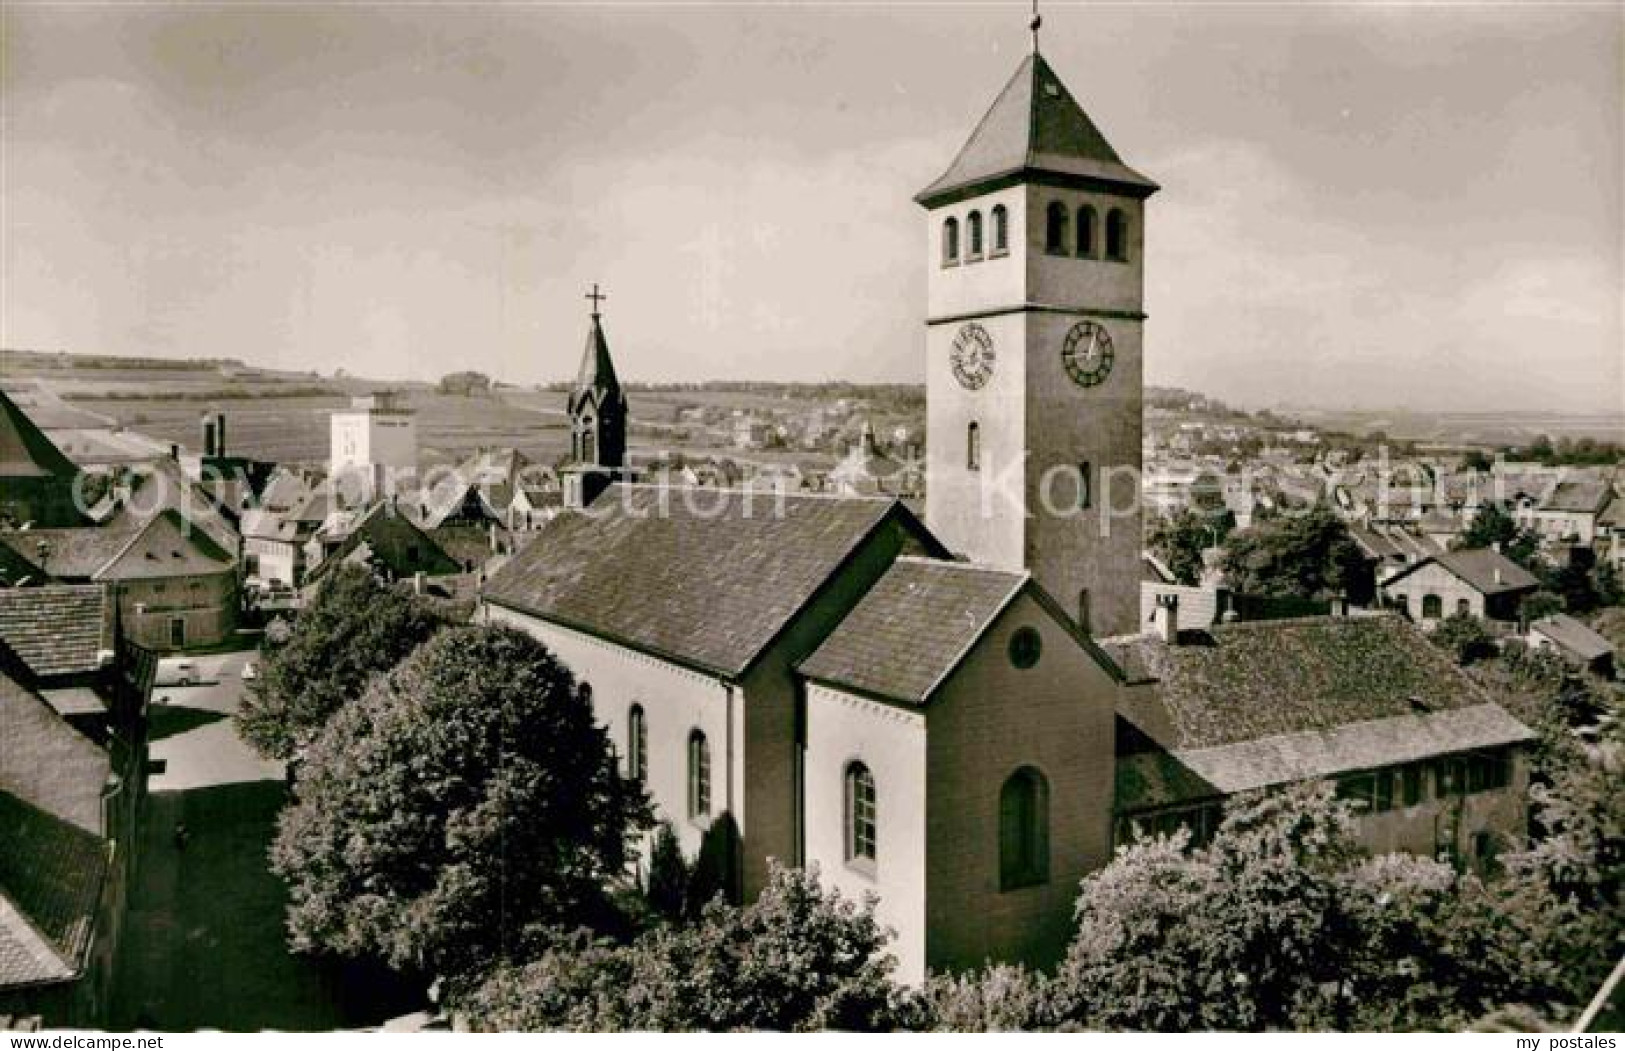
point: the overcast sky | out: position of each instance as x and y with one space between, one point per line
1369 206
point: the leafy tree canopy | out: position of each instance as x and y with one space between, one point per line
352 629
798 958
1304 555
467 801
1180 540
1491 526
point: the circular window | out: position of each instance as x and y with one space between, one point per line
1025 646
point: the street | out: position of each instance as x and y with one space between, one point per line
203 944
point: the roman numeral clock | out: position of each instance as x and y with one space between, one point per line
1087 354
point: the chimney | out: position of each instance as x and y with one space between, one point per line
1497 575
418 580
1168 619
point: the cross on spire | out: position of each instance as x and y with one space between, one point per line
1037 21
596 297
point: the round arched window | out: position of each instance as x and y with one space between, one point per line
1025 647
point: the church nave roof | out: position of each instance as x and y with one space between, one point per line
706 577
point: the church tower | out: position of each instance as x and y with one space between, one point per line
598 416
1034 328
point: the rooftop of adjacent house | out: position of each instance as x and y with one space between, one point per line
1253 679
1486 570
912 629
1578 497
51 875
58 629
384 533
1572 635
1146 780
1389 543
44 760
25 451
706 577
73 553
1034 126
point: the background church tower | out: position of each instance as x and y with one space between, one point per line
1034 335
598 417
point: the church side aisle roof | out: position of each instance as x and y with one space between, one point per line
1035 126
708 580
913 628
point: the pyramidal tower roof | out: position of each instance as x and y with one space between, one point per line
597 376
25 451
1035 130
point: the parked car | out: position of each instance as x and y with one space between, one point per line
175 671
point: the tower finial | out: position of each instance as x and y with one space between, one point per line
1035 24
597 296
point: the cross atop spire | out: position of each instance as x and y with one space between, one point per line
1037 21
597 296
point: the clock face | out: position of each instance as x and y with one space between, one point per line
1087 353
973 357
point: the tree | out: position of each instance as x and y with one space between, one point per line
1476 460
1181 539
1491 526
466 384
996 998
465 803
667 885
1280 923
352 629
797 958
1307 555
1465 637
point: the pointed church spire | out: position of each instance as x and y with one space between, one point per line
597 405
1034 131
597 373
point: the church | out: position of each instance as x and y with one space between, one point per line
964 715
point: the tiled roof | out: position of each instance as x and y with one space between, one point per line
1255 679
1034 126
392 539
58 629
1155 779
1572 635
913 628
168 546
1578 497
25 451
165 488
709 581
76 553
1487 570
51 876
45 761
1391 543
